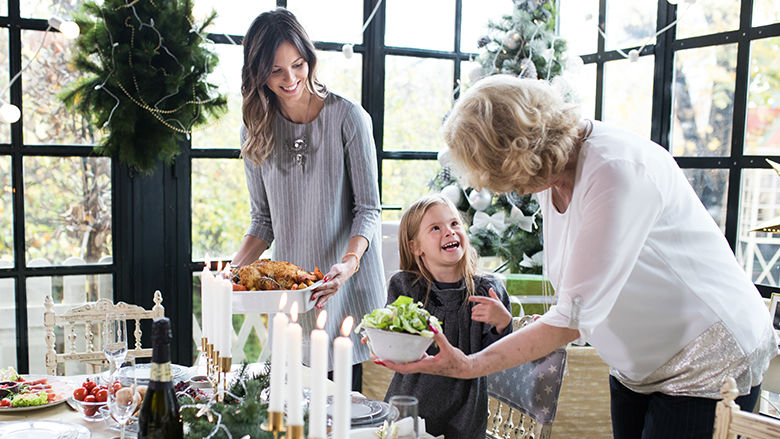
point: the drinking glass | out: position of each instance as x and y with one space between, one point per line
123 397
404 424
115 339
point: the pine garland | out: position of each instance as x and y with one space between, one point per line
144 66
241 413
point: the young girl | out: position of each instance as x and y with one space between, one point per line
438 268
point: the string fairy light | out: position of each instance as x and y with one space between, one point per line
10 113
633 54
349 49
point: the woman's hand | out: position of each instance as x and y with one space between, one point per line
450 361
336 277
490 310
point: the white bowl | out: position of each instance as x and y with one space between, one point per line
398 347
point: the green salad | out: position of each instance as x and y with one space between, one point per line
403 315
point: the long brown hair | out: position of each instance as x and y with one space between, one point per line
408 229
268 31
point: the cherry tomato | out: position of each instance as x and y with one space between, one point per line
116 386
80 393
90 409
89 385
102 395
5 402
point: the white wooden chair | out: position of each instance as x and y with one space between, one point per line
525 397
91 317
730 421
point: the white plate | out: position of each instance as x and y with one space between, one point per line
267 302
178 372
364 433
61 388
37 429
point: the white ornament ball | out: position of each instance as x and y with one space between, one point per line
633 55
453 193
348 50
574 64
673 2
511 41
445 158
9 113
476 74
480 200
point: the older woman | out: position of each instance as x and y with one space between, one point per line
640 269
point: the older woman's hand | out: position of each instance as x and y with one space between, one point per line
450 361
336 277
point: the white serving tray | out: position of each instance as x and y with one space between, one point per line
267 302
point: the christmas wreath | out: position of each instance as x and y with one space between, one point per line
144 66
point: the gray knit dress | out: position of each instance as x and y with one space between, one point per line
456 408
311 205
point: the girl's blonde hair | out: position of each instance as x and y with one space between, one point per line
507 133
408 229
266 33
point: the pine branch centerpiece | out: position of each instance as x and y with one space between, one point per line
145 65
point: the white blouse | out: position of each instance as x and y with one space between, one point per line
648 265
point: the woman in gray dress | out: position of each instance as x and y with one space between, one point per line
310 164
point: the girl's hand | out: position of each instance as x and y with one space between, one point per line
490 310
336 277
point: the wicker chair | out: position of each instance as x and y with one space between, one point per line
730 421
91 317
524 399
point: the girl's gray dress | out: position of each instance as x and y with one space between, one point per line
311 204
456 408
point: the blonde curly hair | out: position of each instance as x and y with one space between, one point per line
507 134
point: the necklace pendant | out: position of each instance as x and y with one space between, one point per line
299 160
299 144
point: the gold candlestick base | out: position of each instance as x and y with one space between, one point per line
275 423
294 432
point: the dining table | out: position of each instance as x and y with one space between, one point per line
64 413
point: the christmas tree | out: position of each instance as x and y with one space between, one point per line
509 226
144 66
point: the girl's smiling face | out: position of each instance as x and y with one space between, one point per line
288 74
439 242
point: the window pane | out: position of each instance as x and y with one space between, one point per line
404 181
703 94
585 86
319 17
433 22
5 129
224 131
758 252
418 93
765 12
67 210
466 69
6 214
630 23
711 185
474 23
38 8
8 319
220 214
763 110
233 16
628 93
45 118
66 292
342 76
578 25
709 17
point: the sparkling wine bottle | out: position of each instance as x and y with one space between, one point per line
159 417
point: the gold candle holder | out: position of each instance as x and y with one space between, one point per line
294 432
274 424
